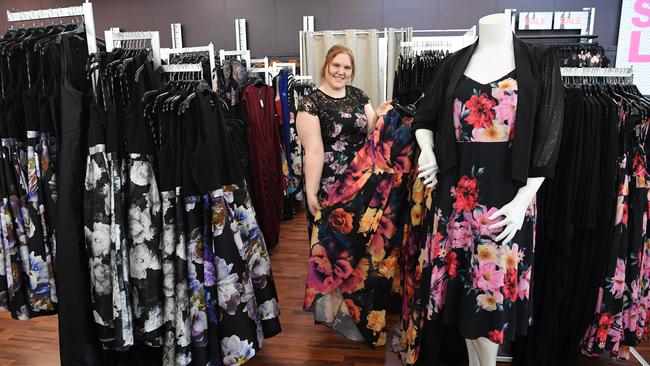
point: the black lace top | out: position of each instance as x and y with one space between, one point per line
343 125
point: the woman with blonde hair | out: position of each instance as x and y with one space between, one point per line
353 163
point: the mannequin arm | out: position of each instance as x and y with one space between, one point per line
514 212
427 164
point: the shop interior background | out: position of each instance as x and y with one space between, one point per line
273 25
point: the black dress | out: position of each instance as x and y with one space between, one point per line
479 283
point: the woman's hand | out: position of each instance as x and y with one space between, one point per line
312 204
373 115
383 108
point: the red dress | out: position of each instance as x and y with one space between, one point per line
265 154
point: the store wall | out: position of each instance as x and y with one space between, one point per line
273 25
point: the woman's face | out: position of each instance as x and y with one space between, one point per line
339 71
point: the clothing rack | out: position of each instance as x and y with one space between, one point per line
181 68
559 36
615 74
85 10
618 75
115 35
265 69
278 66
242 55
303 77
410 47
165 53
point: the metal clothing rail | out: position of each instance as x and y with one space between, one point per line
181 68
165 53
638 357
361 32
265 69
278 66
559 36
427 45
112 36
22 16
243 55
357 33
619 72
85 10
441 30
303 77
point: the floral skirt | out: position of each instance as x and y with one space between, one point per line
27 287
355 239
482 285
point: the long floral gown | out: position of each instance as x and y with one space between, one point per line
354 239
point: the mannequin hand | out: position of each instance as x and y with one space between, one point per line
428 167
312 204
514 212
427 163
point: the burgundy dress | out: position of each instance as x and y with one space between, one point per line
265 157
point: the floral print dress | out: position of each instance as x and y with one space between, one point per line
177 260
476 282
354 240
623 302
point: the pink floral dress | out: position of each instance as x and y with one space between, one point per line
482 285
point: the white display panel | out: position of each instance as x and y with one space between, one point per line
634 41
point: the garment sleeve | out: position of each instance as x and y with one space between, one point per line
362 96
426 115
550 118
308 105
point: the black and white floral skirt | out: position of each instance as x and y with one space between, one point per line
188 273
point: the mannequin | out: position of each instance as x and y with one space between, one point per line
494 57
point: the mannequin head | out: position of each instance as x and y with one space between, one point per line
338 68
495 29
492 19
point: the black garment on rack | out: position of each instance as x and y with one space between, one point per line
580 236
194 58
581 55
414 73
76 329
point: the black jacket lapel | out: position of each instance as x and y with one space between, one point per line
527 95
458 69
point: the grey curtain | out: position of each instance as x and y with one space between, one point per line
395 37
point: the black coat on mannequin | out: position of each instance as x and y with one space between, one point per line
540 110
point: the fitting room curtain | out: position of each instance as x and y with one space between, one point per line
395 37
364 46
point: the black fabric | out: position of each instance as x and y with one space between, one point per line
575 233
77 340
539 110
413 73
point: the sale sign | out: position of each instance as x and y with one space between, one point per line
535 20
571 20
634 41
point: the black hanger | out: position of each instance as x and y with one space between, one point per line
409 109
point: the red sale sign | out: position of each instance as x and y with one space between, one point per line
535 20
634 41
571 20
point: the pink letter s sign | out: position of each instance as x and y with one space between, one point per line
642 20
